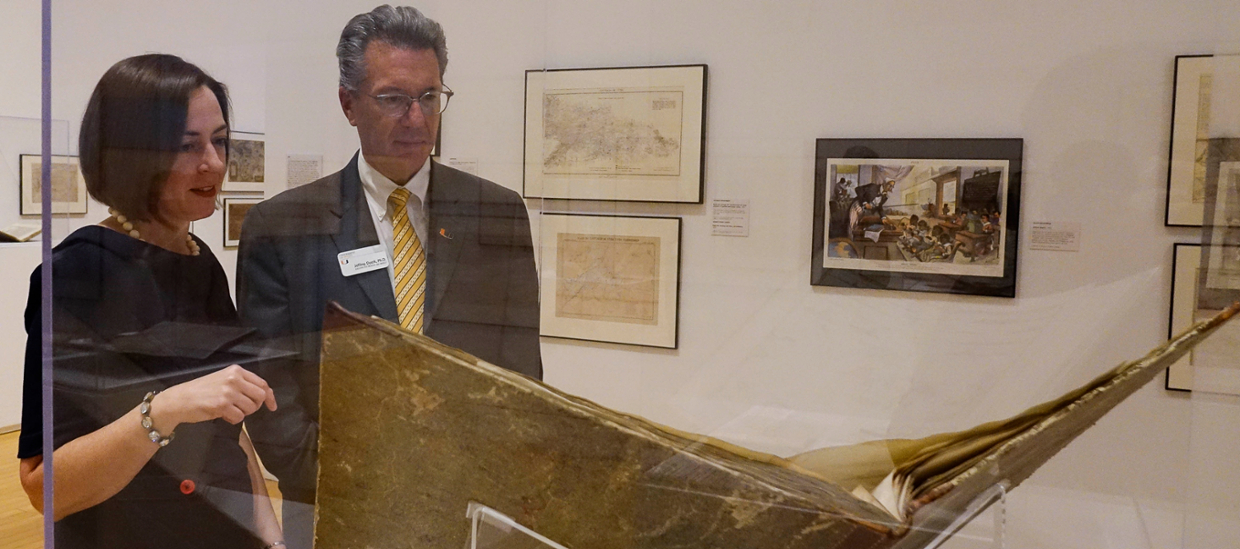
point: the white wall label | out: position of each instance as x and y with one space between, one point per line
729 217
304 168
467 165
1056 236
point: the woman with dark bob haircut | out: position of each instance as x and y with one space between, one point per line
146 334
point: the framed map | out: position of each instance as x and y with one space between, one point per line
69 194
247 163
628 134
1193 102
927 215
234 214
1219 283
610 278
1211 366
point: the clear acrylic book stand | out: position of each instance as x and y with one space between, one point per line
491 529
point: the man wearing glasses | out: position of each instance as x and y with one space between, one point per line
394 234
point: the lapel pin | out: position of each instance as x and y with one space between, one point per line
444 233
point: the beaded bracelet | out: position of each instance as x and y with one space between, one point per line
145 410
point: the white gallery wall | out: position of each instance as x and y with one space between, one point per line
20 94
764 359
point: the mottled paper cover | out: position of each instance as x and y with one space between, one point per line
413 431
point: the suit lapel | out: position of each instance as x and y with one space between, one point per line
447 234
357 230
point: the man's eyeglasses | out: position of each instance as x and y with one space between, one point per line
397 105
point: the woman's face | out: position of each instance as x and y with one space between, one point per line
198 172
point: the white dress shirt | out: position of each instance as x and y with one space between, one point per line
378 188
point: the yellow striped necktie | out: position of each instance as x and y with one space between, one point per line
409 262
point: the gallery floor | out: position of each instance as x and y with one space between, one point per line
21 527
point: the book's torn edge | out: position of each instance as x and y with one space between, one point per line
1166 354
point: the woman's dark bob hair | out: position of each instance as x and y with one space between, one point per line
133 129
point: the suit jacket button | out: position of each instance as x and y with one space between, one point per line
187 487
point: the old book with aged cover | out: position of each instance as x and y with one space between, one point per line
20 232
413 431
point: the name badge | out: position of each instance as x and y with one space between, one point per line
362 260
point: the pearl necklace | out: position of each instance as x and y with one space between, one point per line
133 232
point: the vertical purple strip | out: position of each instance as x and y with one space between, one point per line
49 524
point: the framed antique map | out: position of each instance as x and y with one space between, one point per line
629 134
611 278
1219 283
928 215
69 194
247 163
1193 102
235 209
1211 366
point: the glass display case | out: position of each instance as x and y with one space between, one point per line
731 234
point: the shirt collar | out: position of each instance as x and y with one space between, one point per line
378 187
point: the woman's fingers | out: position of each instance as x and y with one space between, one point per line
253 387
233 415
249 376
253 394
229 394
268 396
270 399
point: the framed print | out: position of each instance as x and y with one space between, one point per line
611 278
1219 281
69 194
925 215
1210 366
628 134
247 163
234 214
1192 104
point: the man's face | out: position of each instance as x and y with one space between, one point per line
396 146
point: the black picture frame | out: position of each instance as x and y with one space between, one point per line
1188 265
1186 181
1185 260
911 274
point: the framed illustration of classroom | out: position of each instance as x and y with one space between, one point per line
926 215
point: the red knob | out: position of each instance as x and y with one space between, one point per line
187 487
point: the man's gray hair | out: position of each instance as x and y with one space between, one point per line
403 27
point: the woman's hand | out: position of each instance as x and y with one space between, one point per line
230 394
122 447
